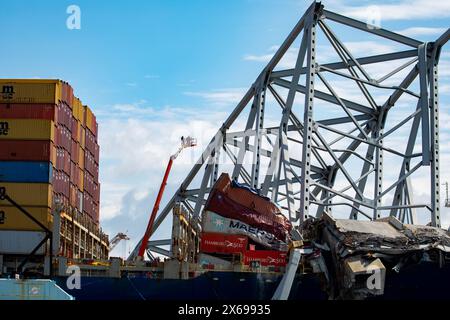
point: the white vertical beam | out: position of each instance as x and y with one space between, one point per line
308 123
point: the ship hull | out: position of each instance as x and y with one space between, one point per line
209 286
422 281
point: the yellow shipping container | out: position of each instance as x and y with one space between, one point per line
89 118
27 129
80 131
81 180
77 109
81 159
13 219
53 155
29 194
30 91
83 138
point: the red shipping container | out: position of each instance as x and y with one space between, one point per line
266 258
223 243
88 205
64 114
63 160
63 138
94 125
67 94
89 165
74 128
96 190
24 150
28 111
66 139
73 196
219 203
61 183
236 202
96 131
74 176
96 212
97 154
90 185
96 172
90 141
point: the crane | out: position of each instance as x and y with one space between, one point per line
186 142
116 239
447 202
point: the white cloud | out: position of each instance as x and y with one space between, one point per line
325 53
402 10
220 97
421 31
260 58
131 84
109 212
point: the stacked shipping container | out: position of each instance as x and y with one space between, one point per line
238 221
48 150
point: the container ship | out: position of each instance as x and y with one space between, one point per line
239 232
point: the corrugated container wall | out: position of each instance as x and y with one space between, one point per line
25 150
21 171
47 137
29 194
14 219
31 91
27 129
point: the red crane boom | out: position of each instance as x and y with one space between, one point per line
185 143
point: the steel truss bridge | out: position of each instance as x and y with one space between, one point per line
312 147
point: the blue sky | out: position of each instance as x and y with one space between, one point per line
153 70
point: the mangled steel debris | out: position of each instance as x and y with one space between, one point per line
356 257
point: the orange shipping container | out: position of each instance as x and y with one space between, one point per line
89 119
81 159
81 180
77 106
79 132
83 138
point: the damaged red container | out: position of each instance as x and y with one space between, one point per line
233 201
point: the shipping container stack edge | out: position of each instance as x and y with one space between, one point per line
49 152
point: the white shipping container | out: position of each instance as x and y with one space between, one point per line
212 222
221 264
20 242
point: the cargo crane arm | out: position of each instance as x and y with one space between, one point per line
185 143
117 238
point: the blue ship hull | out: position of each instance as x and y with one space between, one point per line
422 281
209 286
